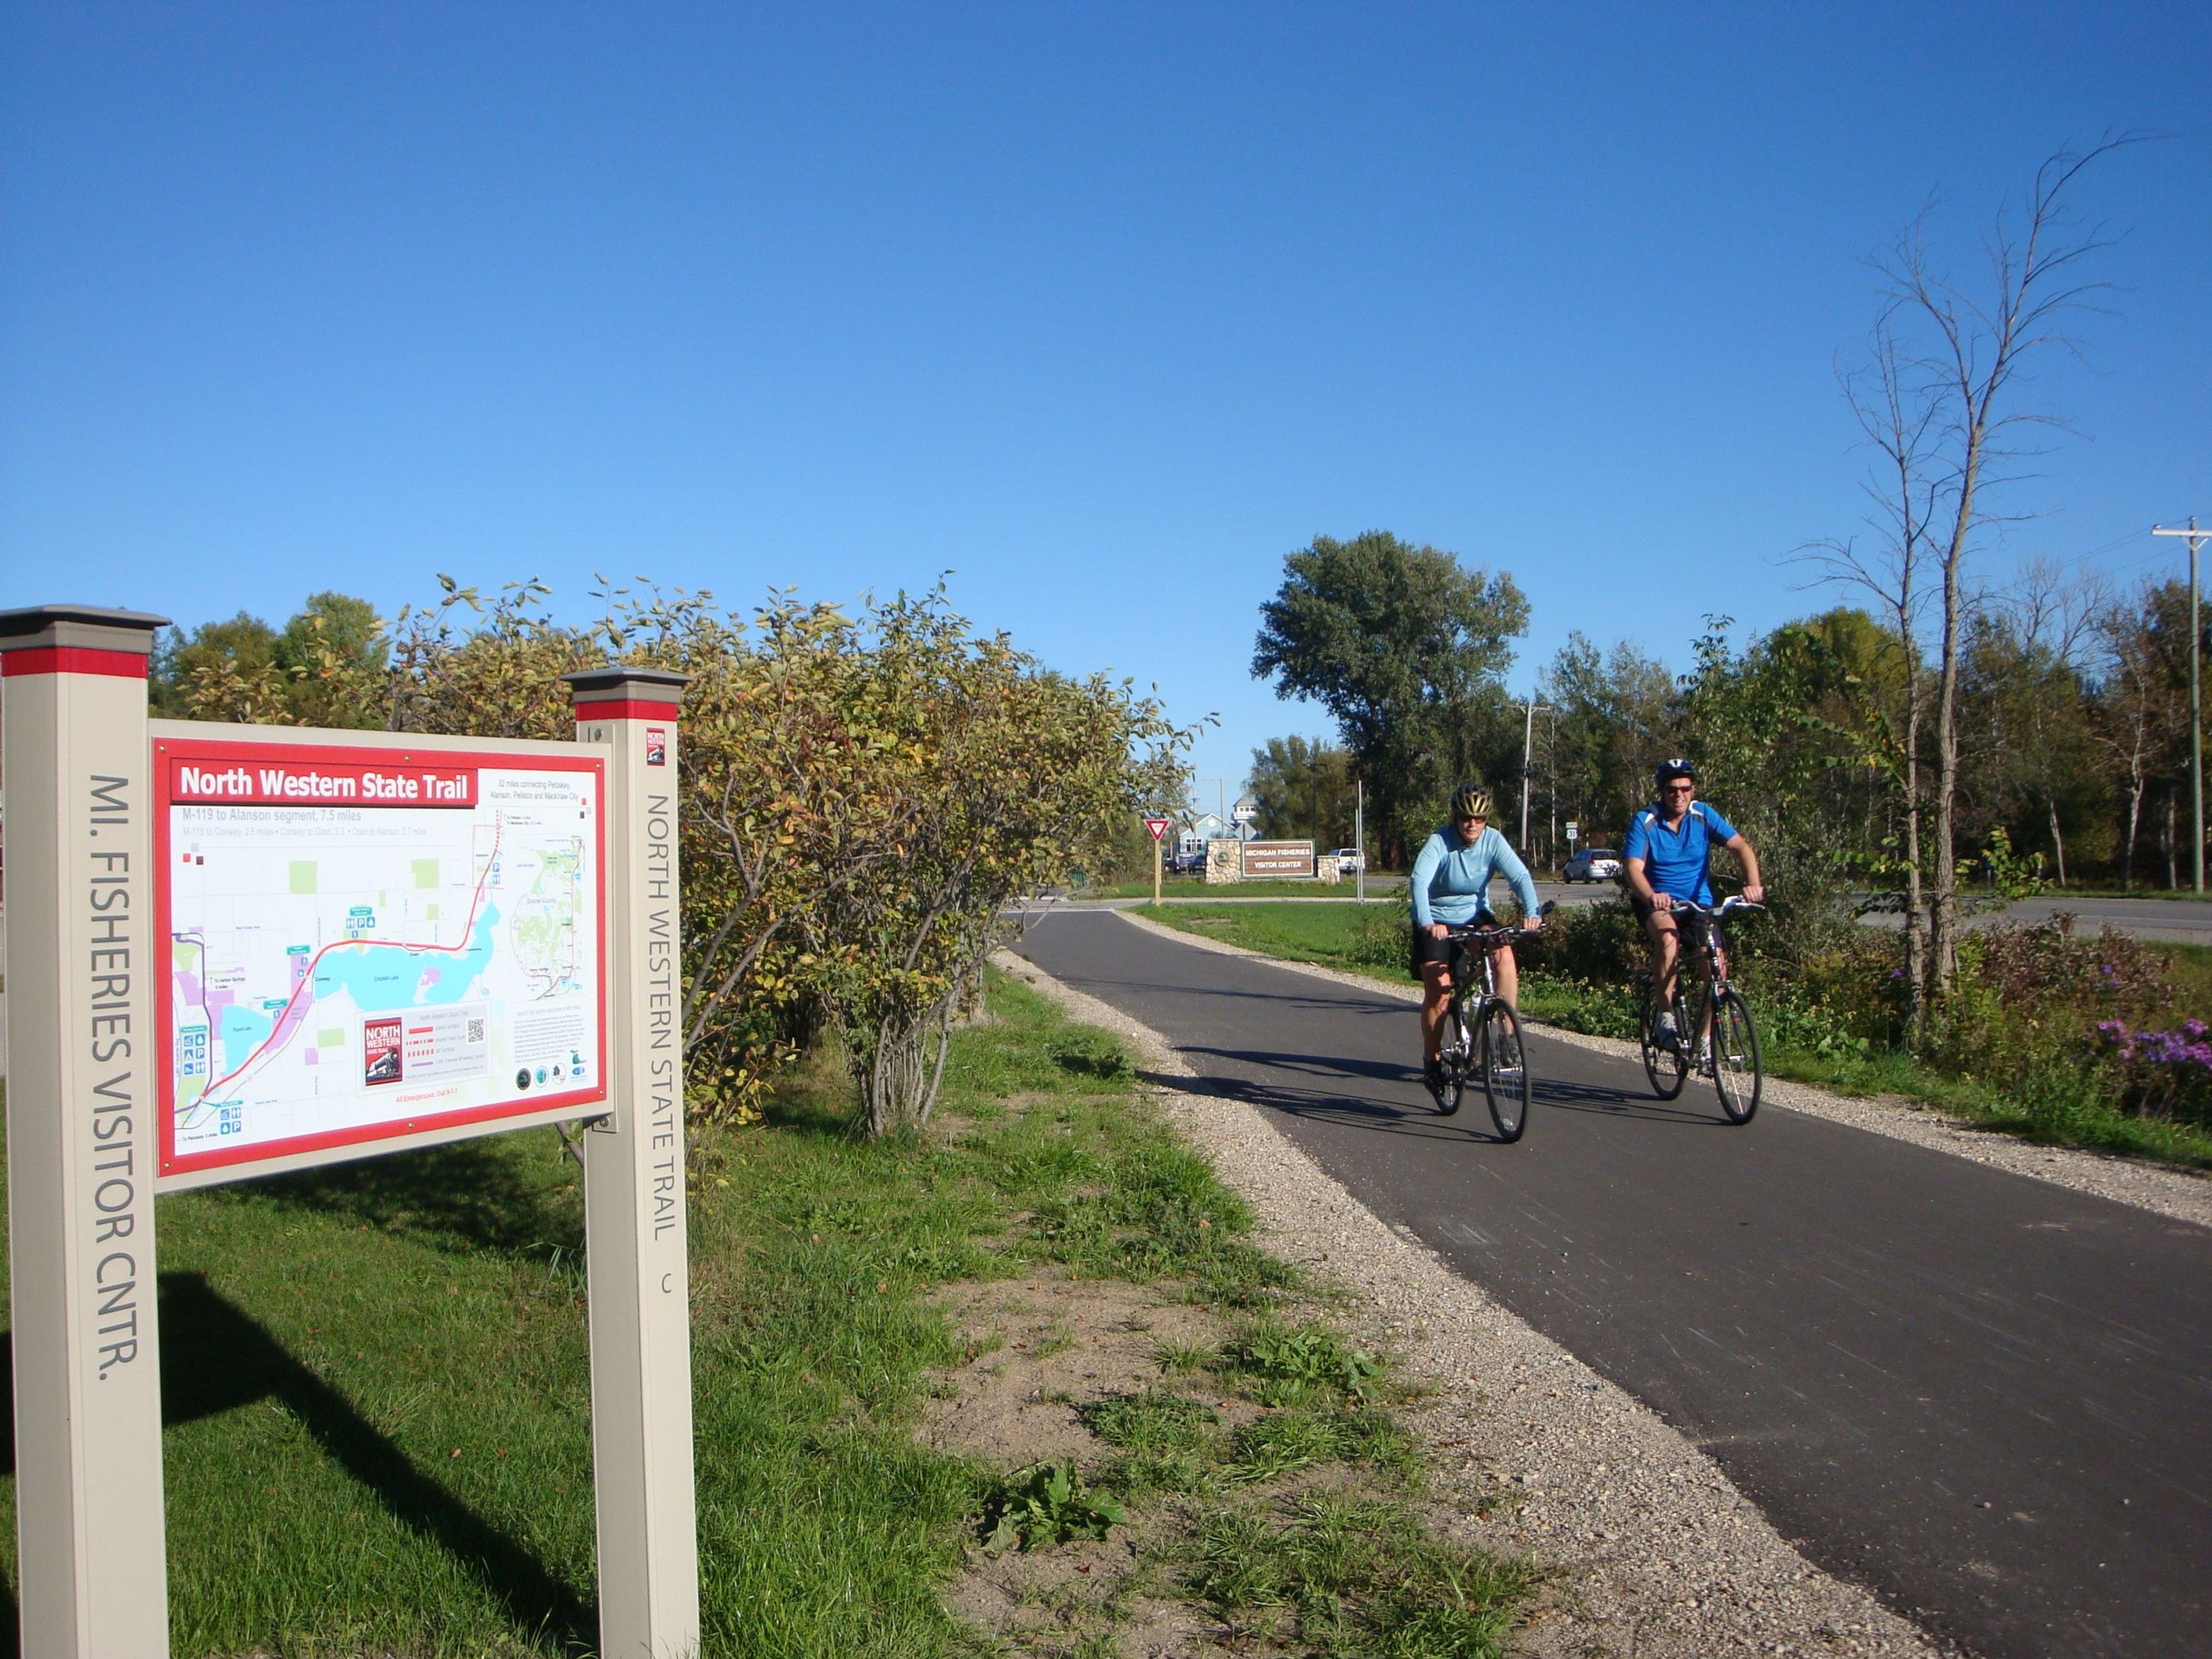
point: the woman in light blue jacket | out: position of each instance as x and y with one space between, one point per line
1449 888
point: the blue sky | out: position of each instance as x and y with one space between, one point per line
1102 309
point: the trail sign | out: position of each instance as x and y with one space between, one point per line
1157 826
371 944
239 950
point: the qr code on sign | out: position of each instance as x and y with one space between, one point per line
475 1031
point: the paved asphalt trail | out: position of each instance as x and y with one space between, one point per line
1987 1398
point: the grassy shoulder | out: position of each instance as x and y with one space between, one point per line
376 1386
1281 889
1372 942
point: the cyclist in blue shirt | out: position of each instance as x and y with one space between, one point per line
1449 888
1669 856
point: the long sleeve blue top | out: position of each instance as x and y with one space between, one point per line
1451 877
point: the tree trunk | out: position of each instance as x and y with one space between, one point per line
1943 904
1915 941
2135 821
2172 880
902 1071
2057 843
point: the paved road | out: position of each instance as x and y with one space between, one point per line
2185 921
1989 1399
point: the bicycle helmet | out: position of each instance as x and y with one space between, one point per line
1470 800
1668 770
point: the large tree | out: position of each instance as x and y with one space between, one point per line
1304 789
1407 649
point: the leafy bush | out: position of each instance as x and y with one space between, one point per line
1045 1504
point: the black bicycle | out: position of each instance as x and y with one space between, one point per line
1481 1034
1722 1042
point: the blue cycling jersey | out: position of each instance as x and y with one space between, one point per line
1678 862
1451 877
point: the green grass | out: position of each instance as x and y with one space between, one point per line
1368 938
377 1435
1178 888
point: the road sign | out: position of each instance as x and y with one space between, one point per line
1573 830
1157 826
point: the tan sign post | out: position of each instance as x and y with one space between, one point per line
635 1235
1158 828
90 1555
243 950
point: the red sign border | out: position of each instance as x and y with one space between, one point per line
167 752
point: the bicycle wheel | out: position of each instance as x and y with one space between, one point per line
1737 1075
1504 1071
1455 1051
1664 1063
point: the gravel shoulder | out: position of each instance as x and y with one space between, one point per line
1660 1556
2177 1194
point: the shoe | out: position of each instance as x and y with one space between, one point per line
1705 1060
1432 1073
1665 1031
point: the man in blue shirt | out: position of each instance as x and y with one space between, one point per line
1669 856
1449 888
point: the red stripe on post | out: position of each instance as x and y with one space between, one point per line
73 659
627 708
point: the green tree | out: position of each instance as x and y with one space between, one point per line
1304 786
1407 649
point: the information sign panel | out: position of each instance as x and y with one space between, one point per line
368 943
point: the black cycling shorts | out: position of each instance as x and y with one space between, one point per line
1692 924
1422 949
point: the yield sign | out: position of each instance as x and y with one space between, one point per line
1157 826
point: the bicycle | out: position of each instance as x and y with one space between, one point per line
1726 1042
1481 1036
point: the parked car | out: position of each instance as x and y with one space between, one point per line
1593 864
1183 864
1349 860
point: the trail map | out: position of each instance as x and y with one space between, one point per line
363 945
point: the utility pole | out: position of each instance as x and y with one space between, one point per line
1359 838
2197 538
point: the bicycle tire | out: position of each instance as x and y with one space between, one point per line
1505 1082
1665 1065
1455 1048
1738 1073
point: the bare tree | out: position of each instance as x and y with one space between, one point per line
1900 415
1962 372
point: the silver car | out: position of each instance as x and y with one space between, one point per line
1593 864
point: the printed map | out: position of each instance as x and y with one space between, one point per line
335 969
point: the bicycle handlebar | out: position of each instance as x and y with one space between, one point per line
1727 905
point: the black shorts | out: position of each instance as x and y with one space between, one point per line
1692 924
1422 949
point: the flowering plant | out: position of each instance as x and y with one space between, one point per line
2165 1074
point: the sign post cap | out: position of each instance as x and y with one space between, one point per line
619 677
37 619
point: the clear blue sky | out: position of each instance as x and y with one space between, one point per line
1102 309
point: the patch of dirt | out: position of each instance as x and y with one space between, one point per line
1039 1346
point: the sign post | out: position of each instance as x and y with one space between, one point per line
1159 828
91 1558
635 1229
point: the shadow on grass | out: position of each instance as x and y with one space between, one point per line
216 1357
472 1194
